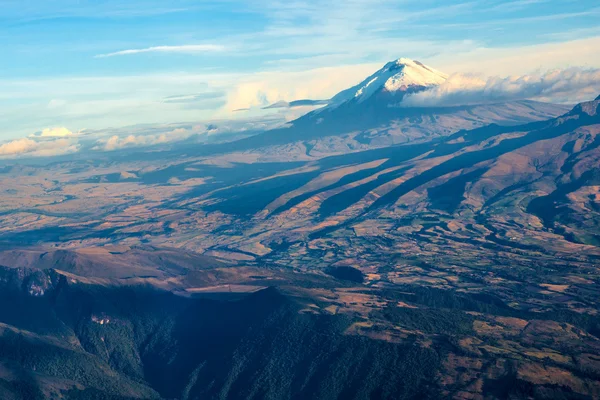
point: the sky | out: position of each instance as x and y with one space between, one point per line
105 64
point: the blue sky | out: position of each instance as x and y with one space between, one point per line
106 63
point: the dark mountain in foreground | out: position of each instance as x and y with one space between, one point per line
80 340
92 341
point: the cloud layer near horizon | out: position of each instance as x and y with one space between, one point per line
27 147
116 142
565 86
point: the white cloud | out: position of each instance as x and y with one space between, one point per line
186 49
34 148
50 142
18 146
565 86
56 132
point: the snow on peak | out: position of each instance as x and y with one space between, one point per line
405 73
395 76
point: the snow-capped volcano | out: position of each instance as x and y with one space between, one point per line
402 75
370 114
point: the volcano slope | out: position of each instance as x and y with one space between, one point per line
463 267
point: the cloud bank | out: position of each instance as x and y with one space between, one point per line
28 147
566 86
49 142
116 142
206 132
